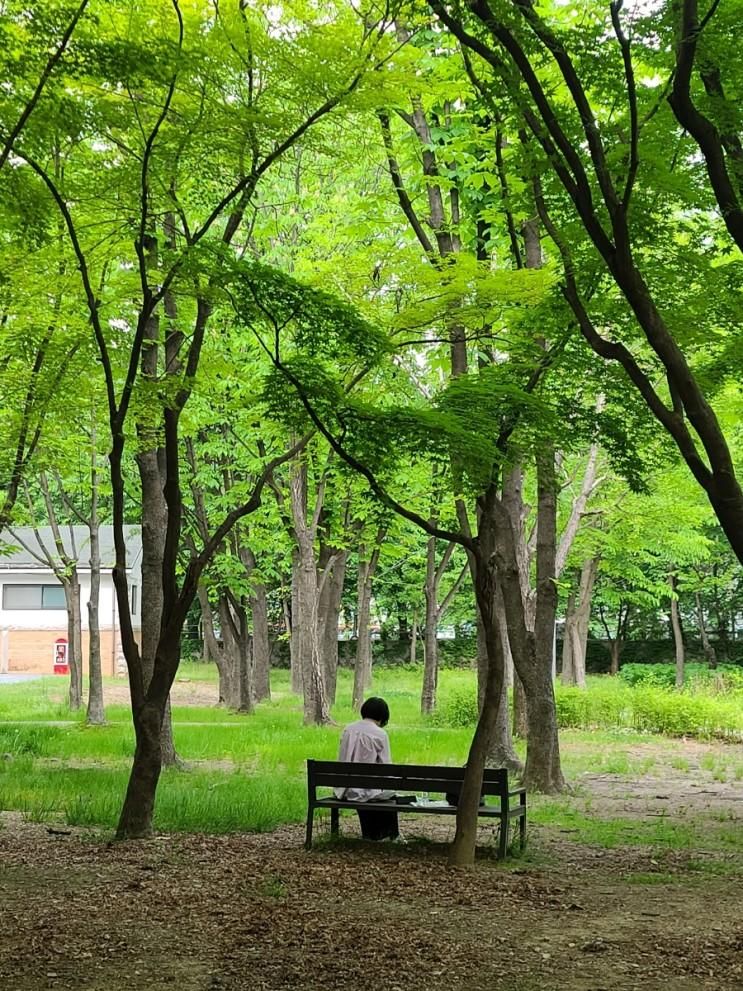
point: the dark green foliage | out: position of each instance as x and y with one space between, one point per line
723 677
288 315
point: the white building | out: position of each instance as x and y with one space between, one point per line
32 604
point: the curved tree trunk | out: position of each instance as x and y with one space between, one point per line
135 821
462 851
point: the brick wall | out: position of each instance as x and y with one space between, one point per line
32 651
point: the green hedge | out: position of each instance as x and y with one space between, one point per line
610 703
724 678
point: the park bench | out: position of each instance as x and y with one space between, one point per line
411 778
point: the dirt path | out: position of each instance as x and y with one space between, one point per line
204 913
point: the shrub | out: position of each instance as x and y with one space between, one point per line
459 709
725 678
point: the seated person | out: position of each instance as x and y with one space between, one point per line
366 742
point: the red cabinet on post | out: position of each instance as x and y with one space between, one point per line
61 665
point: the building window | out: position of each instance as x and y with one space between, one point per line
33 597
134 600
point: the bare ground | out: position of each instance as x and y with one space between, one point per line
204 913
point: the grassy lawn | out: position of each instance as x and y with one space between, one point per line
247 773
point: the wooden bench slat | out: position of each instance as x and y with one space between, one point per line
399 783
392 770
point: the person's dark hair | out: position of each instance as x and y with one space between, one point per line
377 709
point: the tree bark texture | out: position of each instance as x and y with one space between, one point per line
211 646
261 643
96 713
501 752
362 672
678 637
294 629
139 802
577 621
462 851
316 702
71 586
430 639
332 568
709 651
154 525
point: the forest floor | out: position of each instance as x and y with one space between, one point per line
592 906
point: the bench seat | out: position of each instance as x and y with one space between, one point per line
411 779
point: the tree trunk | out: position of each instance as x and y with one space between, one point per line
430 641
543 772
709 651
501 752
567 675
520 717
678 637
330 608
230 658
71 587
135 821
532 654
154 526
245 668
261 643
211 646
316 704
462 851
414 637
362 674
615 648
582 619
513 504
295 653
577 621
96 714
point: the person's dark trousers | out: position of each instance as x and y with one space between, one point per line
378 825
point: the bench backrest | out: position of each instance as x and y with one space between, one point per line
399 777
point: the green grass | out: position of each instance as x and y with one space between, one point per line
649 878
659 833
247 773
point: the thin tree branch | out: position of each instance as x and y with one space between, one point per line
43 79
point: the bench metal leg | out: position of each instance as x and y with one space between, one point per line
503 839
310 820
335 816
522 822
